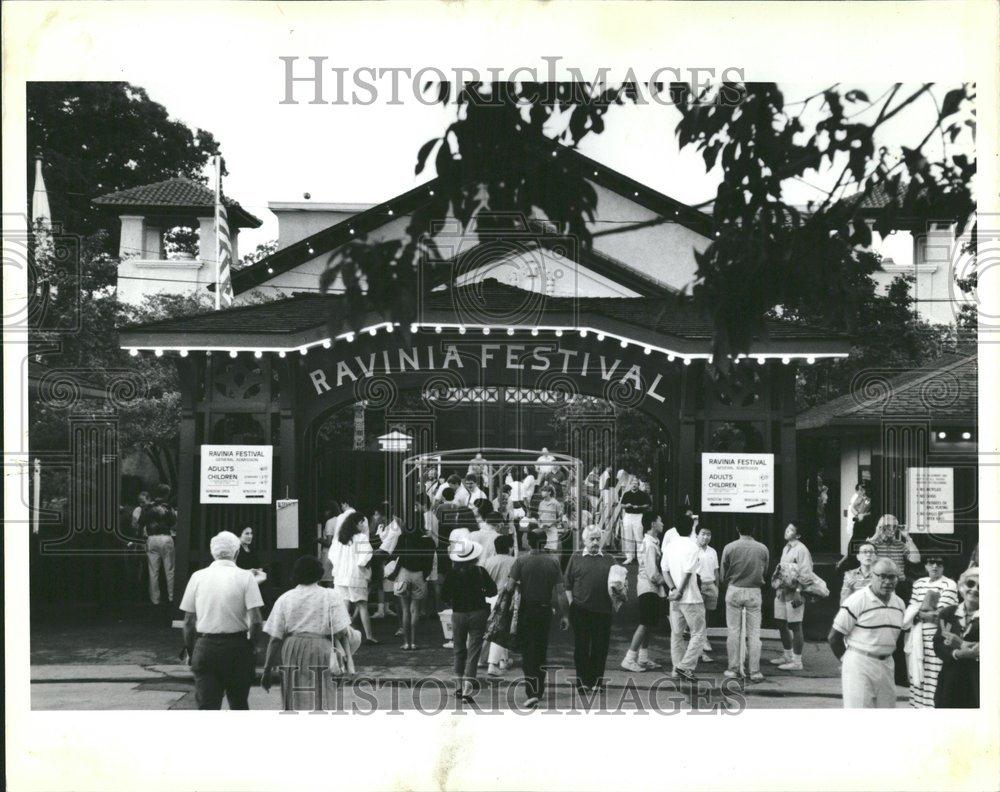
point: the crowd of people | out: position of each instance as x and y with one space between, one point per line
456 551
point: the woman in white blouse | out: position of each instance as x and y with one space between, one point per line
301 625
350 555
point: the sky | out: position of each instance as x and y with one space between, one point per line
354 154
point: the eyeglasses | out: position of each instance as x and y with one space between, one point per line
935 562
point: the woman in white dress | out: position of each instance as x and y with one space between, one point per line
351 555
301 625
925 620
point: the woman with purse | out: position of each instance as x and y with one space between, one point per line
410 567
350 555
303 625
466 587
957 645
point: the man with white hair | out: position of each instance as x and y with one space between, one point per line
590 608
864 636
222 620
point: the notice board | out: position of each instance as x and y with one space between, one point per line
930 500
742 483
236 473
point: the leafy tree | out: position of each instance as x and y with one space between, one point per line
888 336
99 137
503 153
262 251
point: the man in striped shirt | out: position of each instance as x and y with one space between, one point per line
863 638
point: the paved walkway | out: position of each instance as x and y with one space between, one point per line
128 660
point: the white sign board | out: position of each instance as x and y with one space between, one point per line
930 500
737 483
236 473
288 524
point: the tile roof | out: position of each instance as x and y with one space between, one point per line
486 302
177 193
944 390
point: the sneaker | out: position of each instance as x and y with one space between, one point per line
730 674
650 665
674 674
791 665
448 645
758 677
706 658
686 676
531 703
632 665
379 614
493 671
779 660
399 631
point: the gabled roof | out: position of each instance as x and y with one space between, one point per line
307 319
944 390
177 194
329 239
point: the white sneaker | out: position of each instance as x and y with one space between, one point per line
791 665
448 645
778 661
632 665
730 674
494 671
650 665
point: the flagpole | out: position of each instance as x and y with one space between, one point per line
218 256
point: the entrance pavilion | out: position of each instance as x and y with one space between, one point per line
274 374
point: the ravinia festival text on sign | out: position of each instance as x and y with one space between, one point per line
236 473
737 483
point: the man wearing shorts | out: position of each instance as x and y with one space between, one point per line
789 606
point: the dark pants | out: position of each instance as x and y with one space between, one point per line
467 634
223 665
591 635
533 624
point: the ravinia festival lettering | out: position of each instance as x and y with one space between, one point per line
513 357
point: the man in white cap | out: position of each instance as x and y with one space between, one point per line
222 620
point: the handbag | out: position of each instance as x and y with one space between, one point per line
391 569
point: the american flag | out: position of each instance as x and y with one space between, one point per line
224 248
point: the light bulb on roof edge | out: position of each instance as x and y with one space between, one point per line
326 344
786 360
258 354
486 331
281 354
158 352
184 353
233 353
510 331
134 352
534 331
